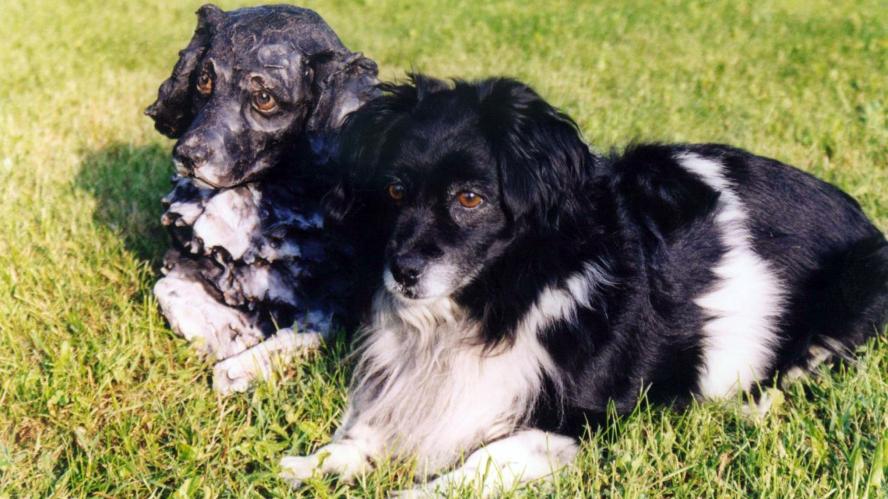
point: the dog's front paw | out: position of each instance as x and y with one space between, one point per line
232 376
297 469
415 493
341 459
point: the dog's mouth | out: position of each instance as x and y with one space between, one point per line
435 282
203 181
181 169
406 293
200 182
235 177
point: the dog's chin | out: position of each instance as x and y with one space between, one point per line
413 295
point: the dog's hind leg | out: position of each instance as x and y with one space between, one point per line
846 305
235 374
849 305
505 464
864 288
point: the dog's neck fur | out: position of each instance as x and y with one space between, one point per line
425 382
432 385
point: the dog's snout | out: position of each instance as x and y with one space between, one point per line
192 154
406 269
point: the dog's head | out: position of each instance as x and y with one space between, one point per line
457 174
250 82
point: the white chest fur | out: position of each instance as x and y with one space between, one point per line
427 387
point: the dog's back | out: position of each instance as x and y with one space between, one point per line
802 274
832 260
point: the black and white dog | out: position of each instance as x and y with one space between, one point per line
529 282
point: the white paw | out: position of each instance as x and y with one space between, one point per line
341 459
297 469
213 328
230 376
237 373
770 399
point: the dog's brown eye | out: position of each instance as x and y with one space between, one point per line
205 83
396 191
264 101
469 199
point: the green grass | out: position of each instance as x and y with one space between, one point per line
99 398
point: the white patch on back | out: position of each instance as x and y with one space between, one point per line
745 302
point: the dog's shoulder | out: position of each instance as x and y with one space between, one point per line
655 190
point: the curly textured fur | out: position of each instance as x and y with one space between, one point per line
251 253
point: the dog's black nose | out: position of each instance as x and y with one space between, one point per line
406 269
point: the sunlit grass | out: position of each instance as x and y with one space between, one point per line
98 397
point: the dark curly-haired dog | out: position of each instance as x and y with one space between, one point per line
255 101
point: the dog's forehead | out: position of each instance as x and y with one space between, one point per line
278 35
277 63
443 141
278 56
439 164
283 22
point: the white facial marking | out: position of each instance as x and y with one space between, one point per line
745 302
389 281
437 280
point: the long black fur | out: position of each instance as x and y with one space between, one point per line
639 215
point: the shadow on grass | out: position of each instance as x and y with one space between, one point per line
127 182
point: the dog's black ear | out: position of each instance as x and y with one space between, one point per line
364 138
342 83
360 143
543 162
173 110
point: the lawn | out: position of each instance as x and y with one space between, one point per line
99 398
